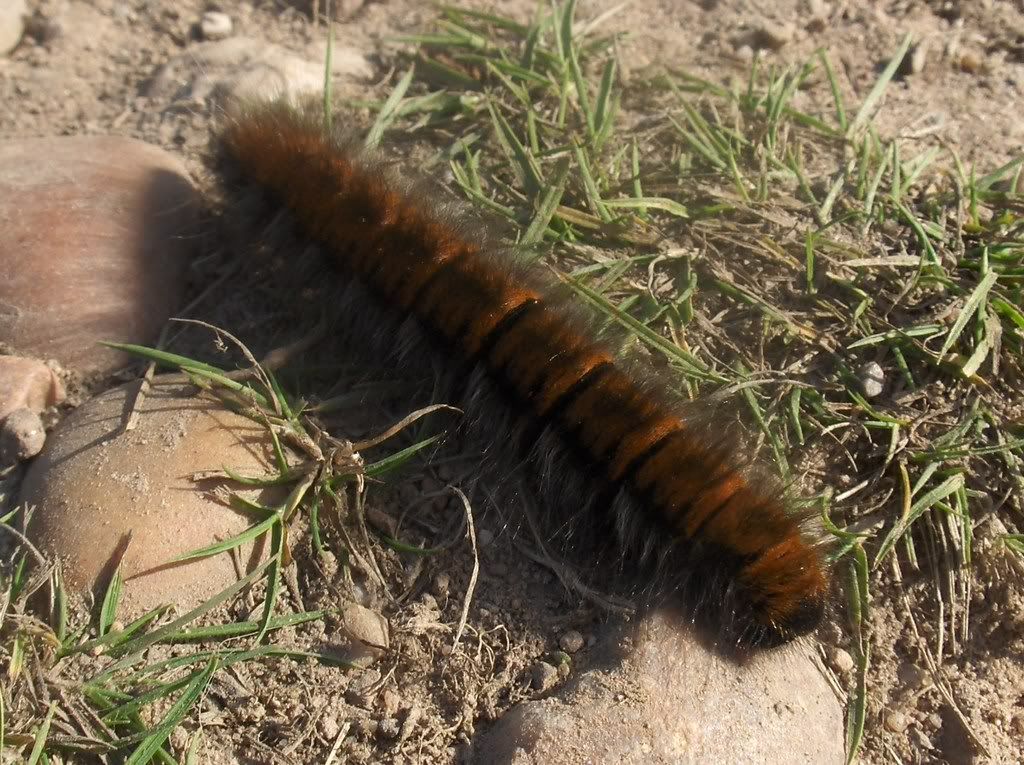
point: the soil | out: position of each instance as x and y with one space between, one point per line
85 68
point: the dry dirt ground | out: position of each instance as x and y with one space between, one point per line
86 67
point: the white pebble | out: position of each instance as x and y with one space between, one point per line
216 25
872 379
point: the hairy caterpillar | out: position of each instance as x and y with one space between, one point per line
641 472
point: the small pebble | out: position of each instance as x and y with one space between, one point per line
817 16
972 63
872 379
912 677
916 59
390 701
179 739
22 436
745 53
361 684
440 584
648 709
368 634
773 35
841 661
43 29
544 676
896 722
484 537
241 69
571 641
921 739
329 727
216 25
389 728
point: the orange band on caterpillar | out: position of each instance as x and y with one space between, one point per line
669 488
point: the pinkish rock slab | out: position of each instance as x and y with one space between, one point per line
97 235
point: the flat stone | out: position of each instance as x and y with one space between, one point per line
664 697
98 231
98 490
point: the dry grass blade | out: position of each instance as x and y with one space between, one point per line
471 587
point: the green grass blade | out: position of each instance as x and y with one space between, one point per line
111 600
134 648
278 550
876 92
389 112
221 632
394 461
928 500
548 205
249 535
171 360
970 308
41 735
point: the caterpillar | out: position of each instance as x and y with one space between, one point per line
635 472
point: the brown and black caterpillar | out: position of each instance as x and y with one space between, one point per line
639 469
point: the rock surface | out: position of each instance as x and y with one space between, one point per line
22 435
27 384
667 699
12 23
97 235
239 69
95 486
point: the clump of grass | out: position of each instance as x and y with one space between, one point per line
327 479
51 707
766 240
